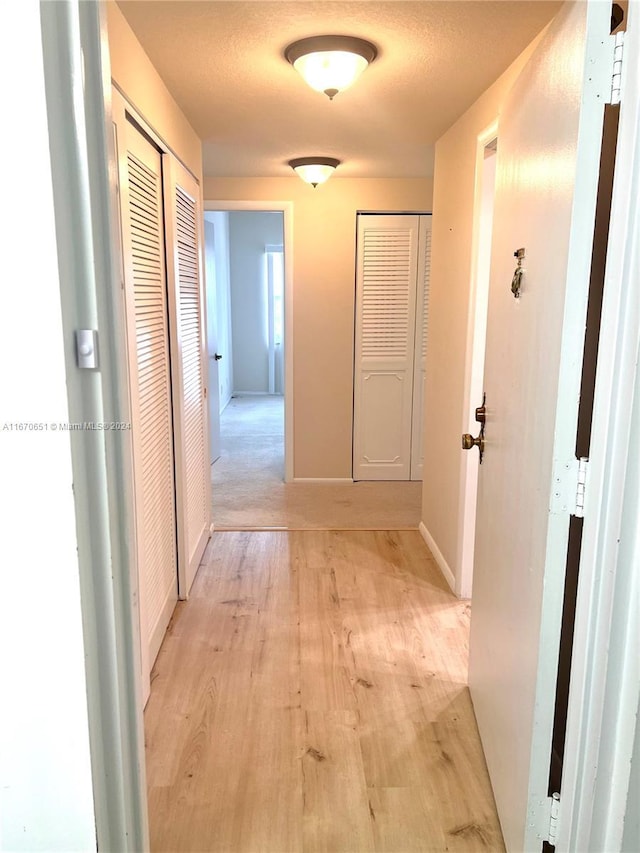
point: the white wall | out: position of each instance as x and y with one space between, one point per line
323 252
249 233
141 84
45 774
450 303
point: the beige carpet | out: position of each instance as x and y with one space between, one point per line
249 490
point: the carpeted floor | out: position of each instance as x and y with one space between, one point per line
249 490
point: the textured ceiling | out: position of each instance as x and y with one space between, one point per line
223 62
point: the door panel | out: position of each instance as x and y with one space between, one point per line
385 329
140 177
545 203
189 368
212 339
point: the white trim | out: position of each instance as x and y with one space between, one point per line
252 394
323 480
471 398
287 210
139 118
605 681
87 215
437 556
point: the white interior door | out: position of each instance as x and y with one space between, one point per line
547 169
184 225
384 347
212 339
420 347
143 238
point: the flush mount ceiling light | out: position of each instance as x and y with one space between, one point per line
330 64
314 170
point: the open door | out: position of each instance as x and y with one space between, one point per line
547 175
212 339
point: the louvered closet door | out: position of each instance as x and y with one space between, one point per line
419 368
186 289
149 359
384 355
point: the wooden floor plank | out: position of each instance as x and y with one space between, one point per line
311 696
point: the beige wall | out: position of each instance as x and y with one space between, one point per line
324 248
448 347
137 79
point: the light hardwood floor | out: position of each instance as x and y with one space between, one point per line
311 696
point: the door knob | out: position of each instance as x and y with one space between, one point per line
469 442
217 357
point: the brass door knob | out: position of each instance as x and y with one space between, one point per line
481 414
469 442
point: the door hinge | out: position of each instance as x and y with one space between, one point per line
581 487
553 805
569 487
616 75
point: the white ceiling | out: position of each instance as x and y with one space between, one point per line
223 62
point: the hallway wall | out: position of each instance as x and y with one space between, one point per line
137 79
450 307
324 250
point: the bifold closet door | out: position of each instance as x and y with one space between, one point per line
384 346
143 239
183 211
420 347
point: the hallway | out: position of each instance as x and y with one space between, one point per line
249 492
311 696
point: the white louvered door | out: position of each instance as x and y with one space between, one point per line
393 266
143 243
420 349
384 356
186 302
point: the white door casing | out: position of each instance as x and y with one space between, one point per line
140 186
392 276
183 211
546 185
420 347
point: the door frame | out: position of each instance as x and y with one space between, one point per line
286 207
473 381
75 42
605 676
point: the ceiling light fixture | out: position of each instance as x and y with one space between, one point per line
314 170
330 64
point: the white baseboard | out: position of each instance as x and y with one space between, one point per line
255 394
437 555
322 480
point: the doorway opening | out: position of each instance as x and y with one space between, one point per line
249 329
476 340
